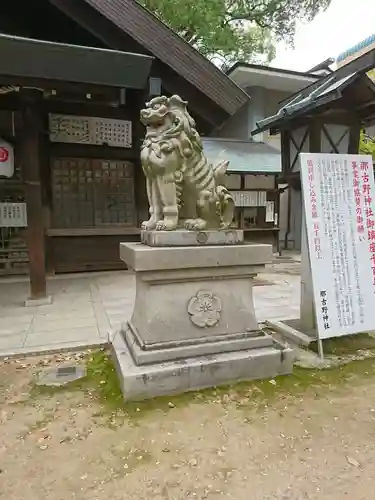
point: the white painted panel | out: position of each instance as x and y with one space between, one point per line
259 181
339 135
232 181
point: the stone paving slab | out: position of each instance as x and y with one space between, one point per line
88 307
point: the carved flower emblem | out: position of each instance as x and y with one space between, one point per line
204 309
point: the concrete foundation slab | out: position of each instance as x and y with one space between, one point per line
44 301
61 375
200 372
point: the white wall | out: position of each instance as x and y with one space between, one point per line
237 127
263 103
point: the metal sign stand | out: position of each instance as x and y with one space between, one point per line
320 349
307 307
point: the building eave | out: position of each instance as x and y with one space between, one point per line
30 58
159 41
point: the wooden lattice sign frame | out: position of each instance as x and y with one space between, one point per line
92 193
90 130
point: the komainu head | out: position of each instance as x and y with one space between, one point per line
168 116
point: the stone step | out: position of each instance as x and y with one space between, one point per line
190 374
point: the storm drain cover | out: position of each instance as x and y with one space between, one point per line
61 375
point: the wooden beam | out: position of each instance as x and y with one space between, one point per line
354 136
90 108
30 144
298 147
140 195
330 140
59 85
315 137
285 152
102 29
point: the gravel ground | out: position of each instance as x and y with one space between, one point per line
245 443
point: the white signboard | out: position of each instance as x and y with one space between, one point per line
90 130
262 199
6 159
339 199
245 198
13 215
270 207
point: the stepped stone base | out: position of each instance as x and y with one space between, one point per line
193 323
140 382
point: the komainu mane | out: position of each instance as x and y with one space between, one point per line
183 188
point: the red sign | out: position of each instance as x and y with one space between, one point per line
6 159
4 154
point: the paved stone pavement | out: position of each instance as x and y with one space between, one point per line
87 307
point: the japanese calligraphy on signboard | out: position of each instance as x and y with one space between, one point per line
339 202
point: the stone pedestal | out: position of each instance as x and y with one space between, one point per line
193 323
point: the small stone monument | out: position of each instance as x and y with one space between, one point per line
193 323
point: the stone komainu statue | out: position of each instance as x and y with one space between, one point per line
183 188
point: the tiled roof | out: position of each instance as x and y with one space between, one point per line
243 156
324 91
328 90
164 44
356 48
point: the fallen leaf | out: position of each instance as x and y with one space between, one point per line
352 461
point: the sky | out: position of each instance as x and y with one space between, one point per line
344 24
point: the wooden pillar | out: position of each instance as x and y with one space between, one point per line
141 202
242 209
286 170
29 146
354 137
315 137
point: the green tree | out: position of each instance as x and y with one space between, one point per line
233 30
371 74
367 144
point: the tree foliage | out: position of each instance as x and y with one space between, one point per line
367 145
235 29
